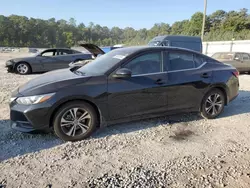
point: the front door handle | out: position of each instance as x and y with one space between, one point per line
205 75
159 82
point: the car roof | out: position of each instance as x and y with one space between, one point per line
59 49
134 49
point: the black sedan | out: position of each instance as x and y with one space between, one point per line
51 59
123 85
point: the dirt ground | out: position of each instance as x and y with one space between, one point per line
177 151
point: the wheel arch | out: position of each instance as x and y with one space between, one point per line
58 106
222 88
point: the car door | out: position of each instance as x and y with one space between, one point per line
238 62
64 57
48 59
142 93
187 79
246 61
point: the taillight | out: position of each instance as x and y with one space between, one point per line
236 74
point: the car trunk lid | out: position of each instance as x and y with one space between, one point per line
95 50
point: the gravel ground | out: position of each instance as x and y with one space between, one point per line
177 151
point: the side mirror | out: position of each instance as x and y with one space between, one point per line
122 73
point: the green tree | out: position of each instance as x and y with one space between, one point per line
21 31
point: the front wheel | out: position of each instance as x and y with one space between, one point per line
213 104
75 121
23 68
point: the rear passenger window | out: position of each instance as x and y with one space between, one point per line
180 61
183 61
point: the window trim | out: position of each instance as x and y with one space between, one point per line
196 68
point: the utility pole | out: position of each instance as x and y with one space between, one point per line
204 19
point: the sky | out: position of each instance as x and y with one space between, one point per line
122 13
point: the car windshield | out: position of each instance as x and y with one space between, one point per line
104 62
225 56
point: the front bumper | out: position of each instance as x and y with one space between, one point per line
10 68
22 126
27 118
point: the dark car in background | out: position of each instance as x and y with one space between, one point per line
51 59
181 41
240 60
123 85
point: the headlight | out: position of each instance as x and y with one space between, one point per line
34 99
12 99
9 63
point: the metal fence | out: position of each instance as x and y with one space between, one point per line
209 48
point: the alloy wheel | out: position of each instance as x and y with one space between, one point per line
22 68
75 122
214 104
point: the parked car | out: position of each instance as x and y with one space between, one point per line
123 85
51 59
239 60
182 41
79 63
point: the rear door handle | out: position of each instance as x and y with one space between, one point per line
205 75
159 82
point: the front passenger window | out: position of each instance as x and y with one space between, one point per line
145 64
48 53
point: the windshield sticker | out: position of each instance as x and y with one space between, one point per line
119 56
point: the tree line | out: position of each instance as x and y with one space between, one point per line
20 31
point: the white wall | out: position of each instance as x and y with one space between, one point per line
210 48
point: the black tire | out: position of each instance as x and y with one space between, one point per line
22 68
217 104
60 130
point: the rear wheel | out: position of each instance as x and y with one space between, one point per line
23 68
213 104
75 121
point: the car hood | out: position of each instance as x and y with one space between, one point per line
22 59
51 82
95 50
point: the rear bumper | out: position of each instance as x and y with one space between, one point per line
234 97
